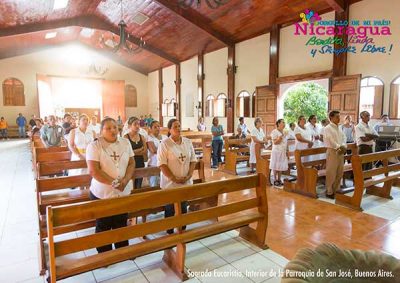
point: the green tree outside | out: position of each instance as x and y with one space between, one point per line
306 99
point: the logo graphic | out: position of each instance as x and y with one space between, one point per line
310 17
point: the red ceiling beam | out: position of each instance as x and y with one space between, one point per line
337 5
196 19
87 21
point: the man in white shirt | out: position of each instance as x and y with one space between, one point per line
365 135
335 142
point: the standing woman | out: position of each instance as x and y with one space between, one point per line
153 141
303 136
139 147
78 140
348 129
177 160
217 142
111 164
257 136
279 159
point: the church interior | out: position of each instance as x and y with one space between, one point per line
210 88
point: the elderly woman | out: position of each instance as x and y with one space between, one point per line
177 160
138 144
78 140
257 136
111 164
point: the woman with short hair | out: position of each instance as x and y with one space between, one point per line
78 140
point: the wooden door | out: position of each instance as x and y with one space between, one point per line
344 95
113 99
266 107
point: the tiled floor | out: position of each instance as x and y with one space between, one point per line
294 222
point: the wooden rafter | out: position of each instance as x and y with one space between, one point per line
196 19
87 21
337 5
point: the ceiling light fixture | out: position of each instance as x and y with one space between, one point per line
124 43
213 4
60 4
50 35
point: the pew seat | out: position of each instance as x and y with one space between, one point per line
236 150
369 179
232 217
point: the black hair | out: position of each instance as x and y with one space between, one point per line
170 123
241 119
300 117
333 113
311 117
292 124
278 122
214 120
105 120
153 122
132 119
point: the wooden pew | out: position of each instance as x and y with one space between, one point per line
51 154
234 154
231 217
263 158
53 168
68 196
309 172
56 191
369 179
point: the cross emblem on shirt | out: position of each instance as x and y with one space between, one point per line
182 157
114 156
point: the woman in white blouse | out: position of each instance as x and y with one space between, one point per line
257 136
176 159
153 141
111 164
279 159
302 134
78 140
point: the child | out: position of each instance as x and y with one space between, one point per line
3 128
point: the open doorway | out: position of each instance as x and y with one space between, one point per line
303 98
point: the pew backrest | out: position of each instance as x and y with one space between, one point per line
53 168
70 215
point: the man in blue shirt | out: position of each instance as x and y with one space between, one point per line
21 122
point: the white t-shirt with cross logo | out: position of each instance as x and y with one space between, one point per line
178 158
114 160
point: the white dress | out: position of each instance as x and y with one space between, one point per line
279 160
178 158
82 140
259 134
316 131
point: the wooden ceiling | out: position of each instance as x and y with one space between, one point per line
172 33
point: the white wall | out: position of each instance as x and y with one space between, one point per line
189 93
384 66
71 60
252 59
152 85
294 56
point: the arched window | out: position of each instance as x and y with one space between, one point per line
243 104
253 105
371 96
172 108
13 92
394 98
209 106
221 105
130 96
164 110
